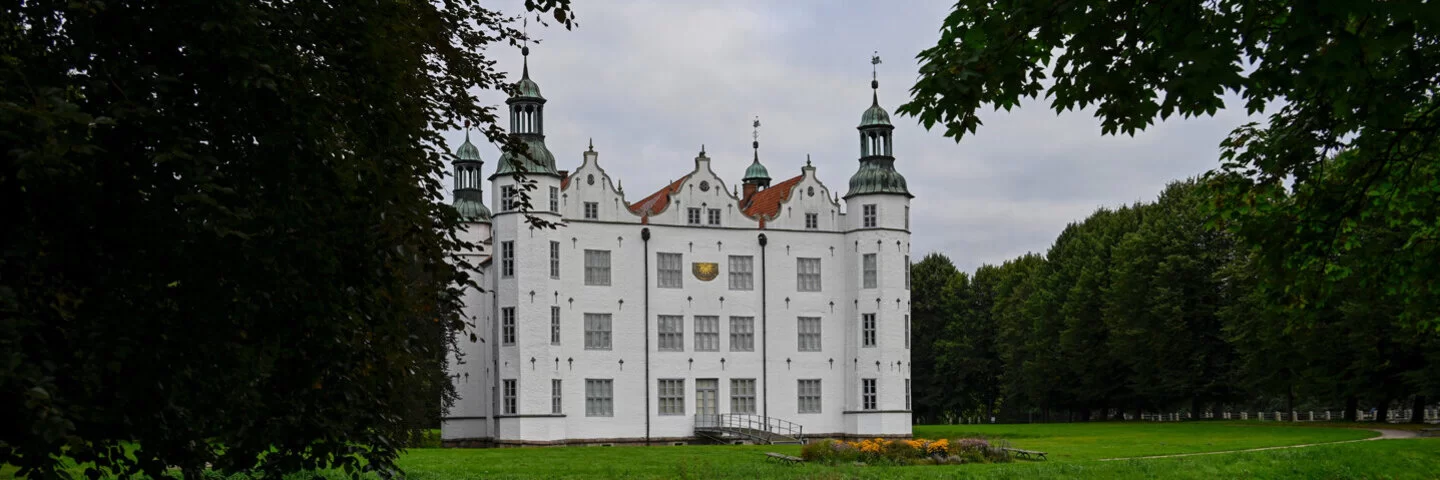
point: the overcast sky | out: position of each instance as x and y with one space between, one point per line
652 80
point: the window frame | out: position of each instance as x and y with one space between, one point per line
707 333
508 197
807 393
592 210
869 215
593 269
742 396
869 394
597 338
870 270
670 396
509 330
594 401
557 398
712 217
668 277
802 275
510 396
555 199
747 332
812 221
812 332
507 259
670 331
554 324
554 259
742 272
692 216
869 338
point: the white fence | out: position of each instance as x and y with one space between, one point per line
1432 415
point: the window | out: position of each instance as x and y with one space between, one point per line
554 325
597 267
597 331
867 394
868 265
672 396
509 198
592 210
907 217
507 259
867 329
599 397
555 199
907 331
554 259
808 392
707 333
693 216
669 275
907 272
714 216
742 395
807 278
742 272
868 215
672 333
507 326
812 221
555 398
742 334
509 397
907 394
809 328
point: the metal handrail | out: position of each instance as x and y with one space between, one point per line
742 421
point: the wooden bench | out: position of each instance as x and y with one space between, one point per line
1026 454
783 458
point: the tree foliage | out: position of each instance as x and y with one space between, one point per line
1337 75
224 237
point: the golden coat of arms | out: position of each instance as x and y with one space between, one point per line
705 271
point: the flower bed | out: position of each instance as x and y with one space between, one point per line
919 451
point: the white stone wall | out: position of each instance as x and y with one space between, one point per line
775 364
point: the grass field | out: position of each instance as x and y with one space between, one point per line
1075 450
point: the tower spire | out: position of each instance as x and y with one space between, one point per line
755 134
874 78
525 47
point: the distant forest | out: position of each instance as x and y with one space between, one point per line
1163 307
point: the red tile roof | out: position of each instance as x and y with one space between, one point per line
656 202
564 179
766 203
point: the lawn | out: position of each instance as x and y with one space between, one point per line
1075 450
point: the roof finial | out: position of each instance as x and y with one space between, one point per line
592 144
525 46
807 159
702 149
875 78
755 134
467 131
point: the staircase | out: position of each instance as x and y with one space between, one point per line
729 427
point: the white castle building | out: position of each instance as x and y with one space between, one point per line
701 312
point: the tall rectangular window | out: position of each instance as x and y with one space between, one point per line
867 329
692 216
510 397
670 273
592 210
807 278
808 395
672 396
907 394
509 198
742 334
507 326
554 259
714 216
555 199
868 394
869 215
672 333
907 217
809 328
742 272
599 397
812 221
907 331
707 333
742 395
597 331
507 259
907 272
869 266
597 267
554 325
555 398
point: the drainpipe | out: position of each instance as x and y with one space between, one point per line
645 237
495 351
764 337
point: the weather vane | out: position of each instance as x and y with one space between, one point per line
874 60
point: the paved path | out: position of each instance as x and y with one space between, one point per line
1385 434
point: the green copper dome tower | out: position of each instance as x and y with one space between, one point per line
756 176
877 161
469 198
527 121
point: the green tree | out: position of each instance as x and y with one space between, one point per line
1341 74
225 240
936 302
1015 345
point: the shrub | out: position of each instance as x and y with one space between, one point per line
919 451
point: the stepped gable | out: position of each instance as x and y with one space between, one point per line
656 202
766 203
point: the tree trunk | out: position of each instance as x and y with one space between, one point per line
1195 408
1351 405
1290 399
1139 413
1382 412
1417 409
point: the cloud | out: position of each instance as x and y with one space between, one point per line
650 81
